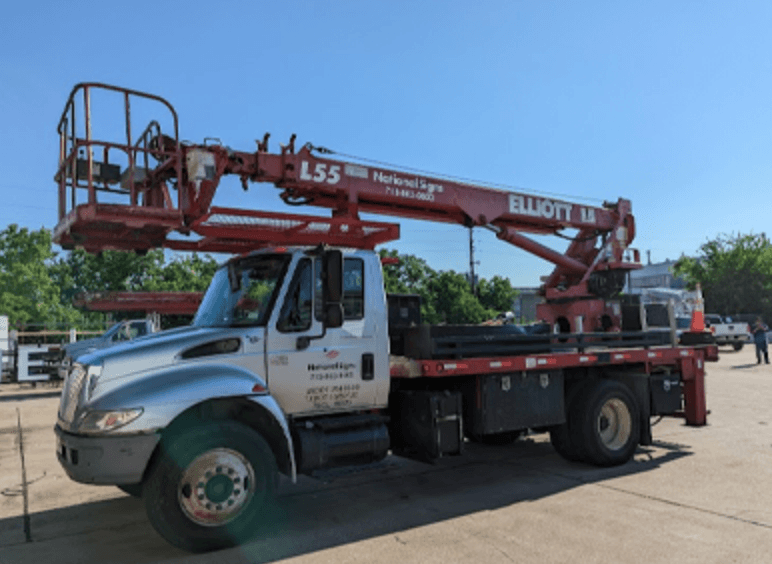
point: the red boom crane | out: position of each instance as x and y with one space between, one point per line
145 171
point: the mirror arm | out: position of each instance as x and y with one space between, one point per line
304 341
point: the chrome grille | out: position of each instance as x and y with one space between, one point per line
71 393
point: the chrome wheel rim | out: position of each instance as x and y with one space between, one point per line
615 424
216 487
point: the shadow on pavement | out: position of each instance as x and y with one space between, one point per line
31 395
15 391
315 515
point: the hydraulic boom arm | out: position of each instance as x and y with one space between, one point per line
149 168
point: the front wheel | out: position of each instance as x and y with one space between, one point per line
210 486
607 424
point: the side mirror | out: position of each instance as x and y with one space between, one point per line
334 315
333 288
333 276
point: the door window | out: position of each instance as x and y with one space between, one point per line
296 312
353 290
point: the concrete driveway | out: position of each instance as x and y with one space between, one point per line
697 495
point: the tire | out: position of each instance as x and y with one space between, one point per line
134 490
561 436
606 425
210 486
737 346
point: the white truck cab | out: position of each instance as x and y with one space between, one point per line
283 369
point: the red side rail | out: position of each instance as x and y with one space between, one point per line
690 362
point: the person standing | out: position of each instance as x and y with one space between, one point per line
760 338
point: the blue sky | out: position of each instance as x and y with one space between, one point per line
666 103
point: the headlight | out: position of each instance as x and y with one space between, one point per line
104 421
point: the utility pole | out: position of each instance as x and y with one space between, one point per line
471 261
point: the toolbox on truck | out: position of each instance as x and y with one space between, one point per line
426 425
497 403
665 393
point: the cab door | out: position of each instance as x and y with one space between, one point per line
312 370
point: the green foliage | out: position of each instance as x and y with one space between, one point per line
190 273
496 294
411 276
735 273
446 297
27 291
454 302
108 271
38 285
79 272
121 271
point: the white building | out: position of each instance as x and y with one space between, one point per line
654 275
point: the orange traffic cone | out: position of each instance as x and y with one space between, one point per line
698 315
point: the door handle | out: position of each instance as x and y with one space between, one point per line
368 366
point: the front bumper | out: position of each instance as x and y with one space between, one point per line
105 459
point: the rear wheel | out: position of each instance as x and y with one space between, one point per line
607 424
561 436
210 486
737 346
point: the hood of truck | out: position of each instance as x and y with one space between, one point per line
156 350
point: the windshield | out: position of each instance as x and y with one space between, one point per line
258 279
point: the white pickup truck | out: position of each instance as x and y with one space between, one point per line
727 332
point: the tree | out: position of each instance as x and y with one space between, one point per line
410 275
735 273
79 272
496 294
27 291
190 273
446 297
109 271
122 271
454 302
